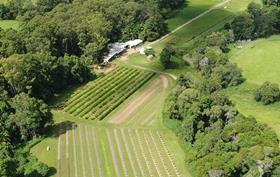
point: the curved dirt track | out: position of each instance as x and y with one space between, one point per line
139 100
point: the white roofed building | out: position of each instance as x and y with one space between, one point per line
117 48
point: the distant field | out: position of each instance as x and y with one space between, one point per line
99 98
203 26
260 62
6 24
192 9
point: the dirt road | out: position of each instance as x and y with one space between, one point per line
140 100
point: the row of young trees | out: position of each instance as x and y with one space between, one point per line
220 141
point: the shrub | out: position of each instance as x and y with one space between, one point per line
150 51
165 56
267 93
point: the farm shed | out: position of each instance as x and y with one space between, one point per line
117 48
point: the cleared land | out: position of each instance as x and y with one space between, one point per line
113 152
99 98
260 62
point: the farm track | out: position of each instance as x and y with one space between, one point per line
140 100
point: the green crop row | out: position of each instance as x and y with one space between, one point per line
99 98
90 86
96 91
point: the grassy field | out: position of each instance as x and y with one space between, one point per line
192 9
260 62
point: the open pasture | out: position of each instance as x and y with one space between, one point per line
260 62
86 151
99 98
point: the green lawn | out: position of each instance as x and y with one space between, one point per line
6 24
192 9
260 62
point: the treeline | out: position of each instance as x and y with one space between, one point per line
257 21
41 75
21 119
84 28
14 8
218 140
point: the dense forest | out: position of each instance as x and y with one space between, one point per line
51 51
218 140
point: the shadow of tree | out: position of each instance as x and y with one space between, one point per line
52 171
61 128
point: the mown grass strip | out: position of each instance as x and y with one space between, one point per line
152 154
82 151
120 153
97 153
89 153
128 153
147 161
168 154
74 151
159 154
136 154
113 153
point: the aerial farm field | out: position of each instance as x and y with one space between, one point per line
115 128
